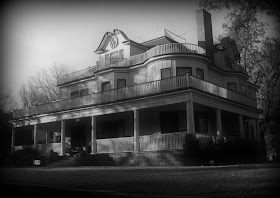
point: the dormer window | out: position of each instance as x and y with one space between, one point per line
229 62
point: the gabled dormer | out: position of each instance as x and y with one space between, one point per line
227 56
115 47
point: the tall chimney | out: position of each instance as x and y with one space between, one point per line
204 32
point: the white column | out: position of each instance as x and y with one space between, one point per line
62 129
241 128
190 117
47 137
13 139
93 135
35 135
219 122
136 130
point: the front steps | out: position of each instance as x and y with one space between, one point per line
143 158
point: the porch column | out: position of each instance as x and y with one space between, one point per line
190 117
62 129
35 135
219 122
47 137
13 139
93 135
241 128
136 130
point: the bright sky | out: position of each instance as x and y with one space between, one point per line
37 34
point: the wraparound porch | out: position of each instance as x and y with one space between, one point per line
148 129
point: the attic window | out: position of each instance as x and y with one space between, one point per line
228 62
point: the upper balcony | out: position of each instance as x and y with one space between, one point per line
137 91
171 48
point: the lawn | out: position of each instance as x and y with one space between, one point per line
227 181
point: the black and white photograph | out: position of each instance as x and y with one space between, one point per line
138 98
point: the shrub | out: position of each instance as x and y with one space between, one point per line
222 150
53 156
25 156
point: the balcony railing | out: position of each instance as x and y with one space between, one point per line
84 73
155 51
150 88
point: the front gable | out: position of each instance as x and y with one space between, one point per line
112 42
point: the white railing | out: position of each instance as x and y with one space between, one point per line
158 34
113 145
171 48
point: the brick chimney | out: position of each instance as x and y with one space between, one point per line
204 32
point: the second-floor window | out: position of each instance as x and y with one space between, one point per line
165 73
106 86
232 86
83 92
200 73
121 83
183 70
75 94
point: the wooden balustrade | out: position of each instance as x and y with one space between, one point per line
113 145
140 90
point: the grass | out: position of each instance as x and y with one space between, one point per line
228 181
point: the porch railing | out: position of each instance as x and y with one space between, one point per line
84 73
162 141
155 51
155 87
115 145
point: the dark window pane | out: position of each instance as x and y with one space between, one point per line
121 83
165 73
74 94
105 86
183 70
200 73
84 92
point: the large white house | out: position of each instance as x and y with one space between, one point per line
146 96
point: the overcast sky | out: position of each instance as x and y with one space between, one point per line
37 34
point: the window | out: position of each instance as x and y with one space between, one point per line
229 62
121 83
183 70
201 122
84 92
200 73
232 86
121 54
107 59
74 94
114 57
165 73
105 86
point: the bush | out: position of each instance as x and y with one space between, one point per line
25 156
53 156
221 150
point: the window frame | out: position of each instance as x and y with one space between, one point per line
162 73
187 68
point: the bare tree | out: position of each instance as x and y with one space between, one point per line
42 87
